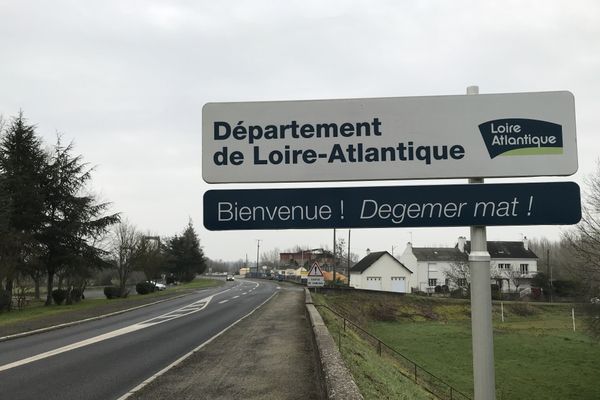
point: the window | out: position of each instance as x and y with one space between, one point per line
524 269
433 282
462 282
504 266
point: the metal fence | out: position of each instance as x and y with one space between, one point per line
406 367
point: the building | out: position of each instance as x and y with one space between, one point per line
430 265
304 258
380 271
512 264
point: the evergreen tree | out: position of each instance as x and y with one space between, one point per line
23 170
73 218
186 258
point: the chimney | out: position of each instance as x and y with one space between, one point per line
461 243
525 242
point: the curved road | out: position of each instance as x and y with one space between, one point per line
105 359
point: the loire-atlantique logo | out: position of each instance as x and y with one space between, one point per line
519 137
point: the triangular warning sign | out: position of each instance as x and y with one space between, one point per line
315 270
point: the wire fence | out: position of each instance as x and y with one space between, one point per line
406 367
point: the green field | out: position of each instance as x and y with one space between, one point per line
537 354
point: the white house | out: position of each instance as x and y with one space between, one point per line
380 271
430 264
512 264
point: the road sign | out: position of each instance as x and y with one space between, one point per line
315 278
556 203
489 135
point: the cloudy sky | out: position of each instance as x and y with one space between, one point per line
126 81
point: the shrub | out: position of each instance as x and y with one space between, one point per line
145 288
438 289
59 296
76 295
496 294
113 292
459 293
170 280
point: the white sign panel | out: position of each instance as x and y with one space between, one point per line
488 135
315 281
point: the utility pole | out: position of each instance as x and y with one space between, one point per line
257 251
334 247
348 269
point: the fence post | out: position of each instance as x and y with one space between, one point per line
415 372
379 347
450 392
344 324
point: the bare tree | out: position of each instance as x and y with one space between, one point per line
584 240
459 275
124 249
513 276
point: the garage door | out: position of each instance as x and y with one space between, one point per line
398 284
374 283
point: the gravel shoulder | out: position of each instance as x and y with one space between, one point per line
269 355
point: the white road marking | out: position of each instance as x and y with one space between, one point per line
244 293
223 301
235 297
180 312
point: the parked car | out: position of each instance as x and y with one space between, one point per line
158 285
230 278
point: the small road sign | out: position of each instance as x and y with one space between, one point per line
315 276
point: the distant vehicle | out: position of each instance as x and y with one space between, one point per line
595 300
158 285
230 278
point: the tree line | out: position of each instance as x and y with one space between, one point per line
54 230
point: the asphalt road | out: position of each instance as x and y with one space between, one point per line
105 359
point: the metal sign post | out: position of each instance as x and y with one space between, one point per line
481 308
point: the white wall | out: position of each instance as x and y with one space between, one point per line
385 267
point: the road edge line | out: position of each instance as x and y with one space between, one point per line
187 355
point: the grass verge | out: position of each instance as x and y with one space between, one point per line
377 377
537 354
44 315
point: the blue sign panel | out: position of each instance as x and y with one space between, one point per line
556 203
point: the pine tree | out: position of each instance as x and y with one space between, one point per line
186 258
23 170
73 218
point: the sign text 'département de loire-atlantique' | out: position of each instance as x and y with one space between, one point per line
524 134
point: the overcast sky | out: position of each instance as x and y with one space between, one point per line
126 81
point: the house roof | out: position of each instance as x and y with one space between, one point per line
370 259
505 250
439 254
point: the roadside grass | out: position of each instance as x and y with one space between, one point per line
377 377
537 354
36 309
